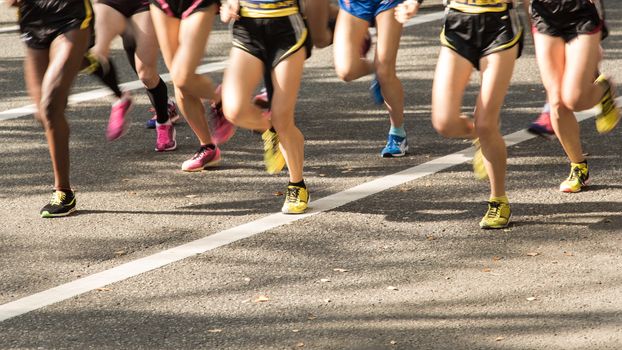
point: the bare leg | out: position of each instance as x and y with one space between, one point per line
286 77
551 57
582 57
350 34
496 74
389 34
146 56
450 80
109 23
238 85
318 12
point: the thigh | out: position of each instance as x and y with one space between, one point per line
451 78
108 24
582 58
194 31
286 78
551 58
146 41
389 35
350 32
496 74
167 31
317 13
35 64
241 78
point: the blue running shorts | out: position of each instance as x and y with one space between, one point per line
368 9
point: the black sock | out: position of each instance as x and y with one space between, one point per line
210 146
129 46
301 183
159 100
106 72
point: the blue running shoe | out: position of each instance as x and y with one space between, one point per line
397 146
376 92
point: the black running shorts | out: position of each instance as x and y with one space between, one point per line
127 8
272 39
568 18
42 21
475 35
183 8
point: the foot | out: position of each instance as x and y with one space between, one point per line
118 122
173 116
577 180
62 203
296 200
221 128
609 115
498 216
542 126
273 158
205 157
165 137
397 146
376 91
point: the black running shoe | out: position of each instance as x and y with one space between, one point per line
61 204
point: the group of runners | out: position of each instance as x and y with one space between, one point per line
271 41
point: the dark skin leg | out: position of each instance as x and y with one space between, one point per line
49 76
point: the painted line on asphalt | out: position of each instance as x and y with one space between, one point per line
9 29
136 85
222 238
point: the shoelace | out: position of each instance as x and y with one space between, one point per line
163 136
292 194
494 210
57 198
202 150
576 174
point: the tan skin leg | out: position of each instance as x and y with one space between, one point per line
318 14
496 74
350 33
183 44
389 35
451 78
237 87
286 77
579 91
551 57
146 56
109 24
49 76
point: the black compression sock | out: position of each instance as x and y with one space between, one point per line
298 184
129 46
210 146
159 100
106 72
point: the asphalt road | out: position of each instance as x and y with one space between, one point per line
404 266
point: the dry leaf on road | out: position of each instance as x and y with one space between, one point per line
533 254
261 299
531 298
215 330
340 270
392 288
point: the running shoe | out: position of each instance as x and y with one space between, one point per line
609 113
173 116
221 128
205 157
497 216
272 156
118 122
261 100
479 169
397 146
296 200
165 137
62 203
578 179
376 91
542 126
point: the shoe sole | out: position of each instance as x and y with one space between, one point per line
391 155
285 211
205 167
544 135
47 215
497 227
166 149
584 187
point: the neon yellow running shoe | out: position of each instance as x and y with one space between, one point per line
609 113
272 156
296 200
497 216
479 169
578 179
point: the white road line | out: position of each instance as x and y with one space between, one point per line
9 29
148 263
135 85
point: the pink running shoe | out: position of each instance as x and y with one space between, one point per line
204 158
173 116
261 99
118 123
165 140
221 128
542 126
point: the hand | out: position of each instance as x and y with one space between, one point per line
406 10
229 12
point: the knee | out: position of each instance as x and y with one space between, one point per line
486 128
182 79
148 77
385 72
232 109
283 122
557 106
570 98
344 71
441 125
